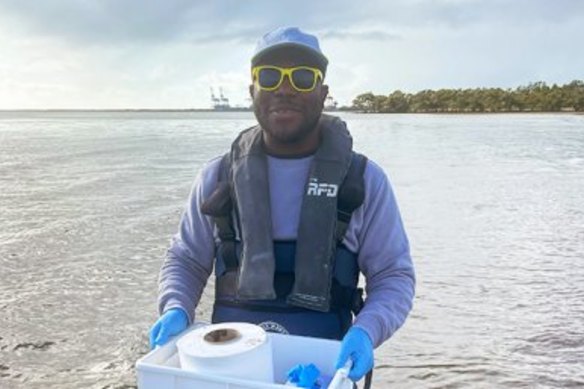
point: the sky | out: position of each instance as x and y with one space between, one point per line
148 54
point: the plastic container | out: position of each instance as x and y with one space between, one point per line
161 367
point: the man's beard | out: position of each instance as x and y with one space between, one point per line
289 137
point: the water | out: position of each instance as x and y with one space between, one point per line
492 203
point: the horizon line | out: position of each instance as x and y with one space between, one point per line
120 109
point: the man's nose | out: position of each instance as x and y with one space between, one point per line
286 87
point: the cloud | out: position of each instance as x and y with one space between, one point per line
102 22
121 22
372 35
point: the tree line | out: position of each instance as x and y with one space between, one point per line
535 97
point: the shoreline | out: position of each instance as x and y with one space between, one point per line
127 110
185 110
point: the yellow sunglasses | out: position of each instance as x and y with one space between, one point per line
302 78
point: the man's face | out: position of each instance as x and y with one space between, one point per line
288 117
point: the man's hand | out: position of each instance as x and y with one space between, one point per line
171 323
358 346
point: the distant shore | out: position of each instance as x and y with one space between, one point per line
209 110
65 111
536 97
127 110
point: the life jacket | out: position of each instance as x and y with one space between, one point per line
325 315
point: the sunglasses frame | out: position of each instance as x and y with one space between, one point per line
283 73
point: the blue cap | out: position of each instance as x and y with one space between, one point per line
289 37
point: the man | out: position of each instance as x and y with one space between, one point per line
289 218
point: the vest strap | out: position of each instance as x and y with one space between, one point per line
351 194
220 207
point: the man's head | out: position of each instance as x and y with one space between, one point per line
287 89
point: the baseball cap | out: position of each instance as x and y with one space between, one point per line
292 37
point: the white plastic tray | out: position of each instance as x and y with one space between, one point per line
160 368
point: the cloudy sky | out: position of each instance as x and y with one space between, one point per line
168 54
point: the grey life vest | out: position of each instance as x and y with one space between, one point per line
240 207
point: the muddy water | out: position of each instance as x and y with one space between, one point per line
493 205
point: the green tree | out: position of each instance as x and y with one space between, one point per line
364 102
397 102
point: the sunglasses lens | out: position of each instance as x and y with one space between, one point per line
303 78
268 77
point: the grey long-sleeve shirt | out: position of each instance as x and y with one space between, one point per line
376 232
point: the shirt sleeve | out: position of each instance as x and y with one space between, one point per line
189 259
384 259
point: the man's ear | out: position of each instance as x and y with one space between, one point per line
251 91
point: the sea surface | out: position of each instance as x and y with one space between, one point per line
493 205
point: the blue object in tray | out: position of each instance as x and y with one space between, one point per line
307 376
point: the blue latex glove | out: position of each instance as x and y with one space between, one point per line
358 346
171 323
304 376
